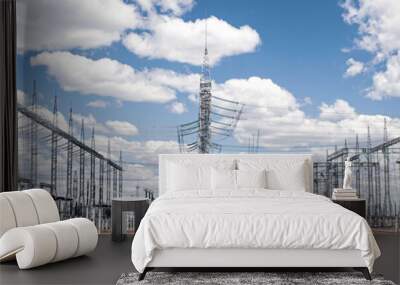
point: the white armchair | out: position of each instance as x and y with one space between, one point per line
31 230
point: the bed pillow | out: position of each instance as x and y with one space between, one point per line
282 173
252 178
223 179
184 178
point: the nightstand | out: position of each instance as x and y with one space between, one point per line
138 206
358 206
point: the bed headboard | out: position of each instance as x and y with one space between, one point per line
212 159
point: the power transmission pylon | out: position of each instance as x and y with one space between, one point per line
92 173
120 175
358 180
101 181
204 134
82 168
69 157
75 186
108 174
369 173
115 183
205 127
54 149
34 140
74 202
387 202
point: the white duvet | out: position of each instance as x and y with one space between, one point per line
250 219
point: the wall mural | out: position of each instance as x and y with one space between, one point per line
106 86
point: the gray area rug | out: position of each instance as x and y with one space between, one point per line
228 278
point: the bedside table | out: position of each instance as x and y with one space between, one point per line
358 206
138 206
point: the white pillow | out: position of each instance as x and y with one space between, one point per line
188 177
223 179
283 173
251 178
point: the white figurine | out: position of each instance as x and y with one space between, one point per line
347 174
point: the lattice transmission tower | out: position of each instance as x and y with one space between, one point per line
217 117
54 150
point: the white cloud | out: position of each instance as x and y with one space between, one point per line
379 24
122 128
340 110
386 83
257 92
67 24
173 39
142 169
187 83
354 67
175 7
110 127
97 104
379 33
307 101
177 108
103 77
284 126
140 152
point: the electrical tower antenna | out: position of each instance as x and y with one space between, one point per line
34 140
82 167
69 156
92 172
54 149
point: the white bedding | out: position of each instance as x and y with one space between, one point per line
253 218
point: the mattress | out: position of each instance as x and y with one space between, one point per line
250 219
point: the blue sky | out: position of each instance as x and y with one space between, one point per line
300 50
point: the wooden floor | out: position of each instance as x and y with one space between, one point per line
110 260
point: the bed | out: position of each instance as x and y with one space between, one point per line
246 211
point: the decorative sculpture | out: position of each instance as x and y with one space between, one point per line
347 174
